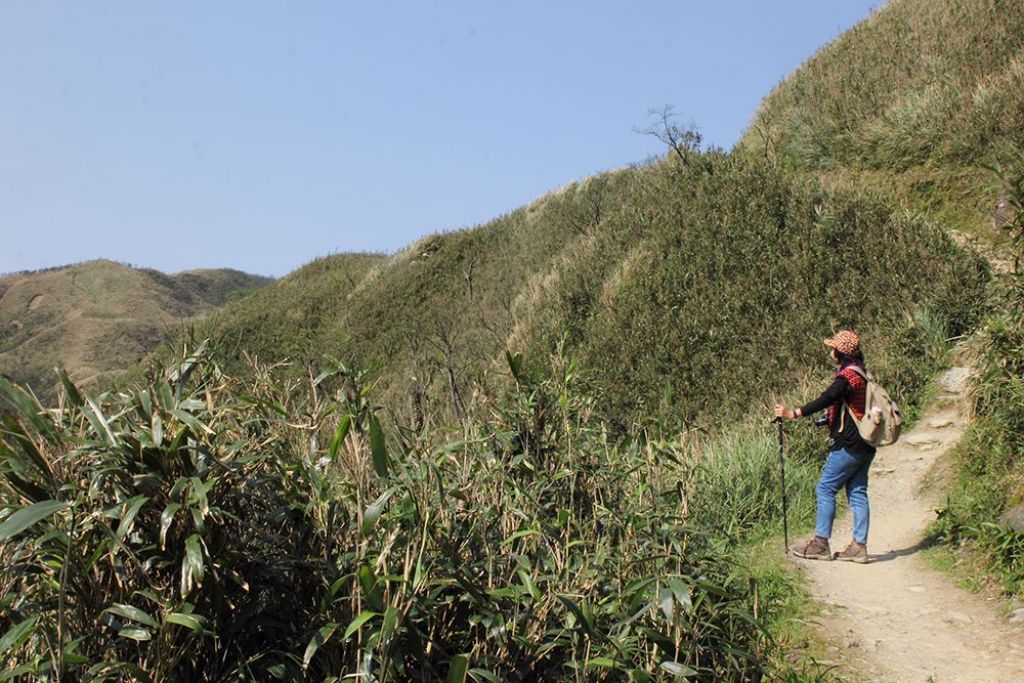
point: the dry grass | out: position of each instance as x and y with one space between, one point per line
920 96
97 318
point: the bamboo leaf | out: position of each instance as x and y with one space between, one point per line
199 490
191 420
666 603
681 592
29 515
99 422
164 395
27 406
372 589
28 446
606 662
319 638
157 427
529 584
375 510
515 366
522 533
17 634
458 668
339 436
132 613
74 395
358 622
191 565
187 620
145 402
18 671
131 510
134 633
28 489
677 669
166 519
584 619
390 621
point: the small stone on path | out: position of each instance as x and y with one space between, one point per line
954 380
1017 617
940 423
922 440
916 589
959 618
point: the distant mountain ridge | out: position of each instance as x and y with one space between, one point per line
99 317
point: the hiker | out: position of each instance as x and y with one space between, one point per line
849 456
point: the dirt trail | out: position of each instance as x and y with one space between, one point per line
895 619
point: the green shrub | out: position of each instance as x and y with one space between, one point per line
726 275
990 458
201 527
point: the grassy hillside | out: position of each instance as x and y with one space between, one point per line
926 98
290 315
695 289
98 318
447 302
915 98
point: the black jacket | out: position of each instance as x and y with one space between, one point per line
843 429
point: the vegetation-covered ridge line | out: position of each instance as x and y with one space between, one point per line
916 100
657 279
187 271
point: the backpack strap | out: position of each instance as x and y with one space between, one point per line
858 370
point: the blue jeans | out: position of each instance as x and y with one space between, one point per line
843 468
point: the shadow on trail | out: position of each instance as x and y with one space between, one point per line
923 544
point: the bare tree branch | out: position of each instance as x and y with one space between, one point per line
683 141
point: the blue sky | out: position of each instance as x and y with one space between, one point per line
261 135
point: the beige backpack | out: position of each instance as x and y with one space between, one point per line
882 420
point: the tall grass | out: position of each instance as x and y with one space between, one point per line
990 458
913 100
737 485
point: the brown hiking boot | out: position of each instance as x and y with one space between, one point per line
814 549
855 552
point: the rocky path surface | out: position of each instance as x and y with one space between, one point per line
895 619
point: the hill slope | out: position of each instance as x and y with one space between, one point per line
924 102
915 98
693 288
97 318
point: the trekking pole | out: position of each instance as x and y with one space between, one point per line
782 463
